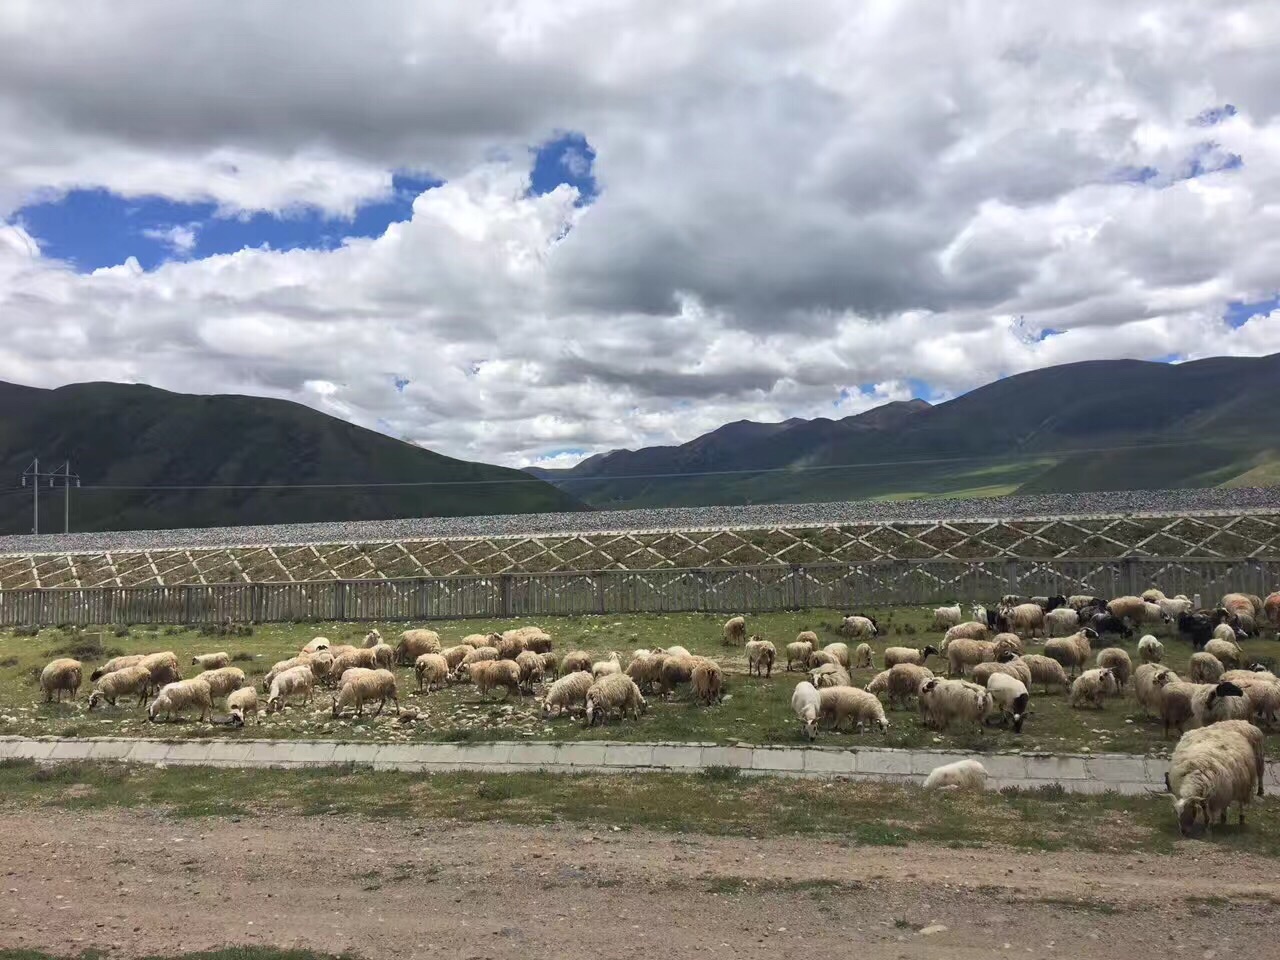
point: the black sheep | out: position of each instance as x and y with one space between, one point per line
1198 627
1106 623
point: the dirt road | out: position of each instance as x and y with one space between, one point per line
140 883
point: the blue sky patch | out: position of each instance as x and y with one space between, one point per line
567 158
401 383
1239 313
1212 116
96 228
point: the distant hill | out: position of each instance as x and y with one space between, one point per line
1204 423
129 435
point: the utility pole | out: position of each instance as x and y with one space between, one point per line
33 472
65 475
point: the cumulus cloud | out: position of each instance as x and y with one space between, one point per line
804 208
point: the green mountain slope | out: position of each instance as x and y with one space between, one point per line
128 435
1099 425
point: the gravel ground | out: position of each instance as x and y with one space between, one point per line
1171 502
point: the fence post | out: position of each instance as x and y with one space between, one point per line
339 600
1011 584
1129 576
797 586
599 576
506 586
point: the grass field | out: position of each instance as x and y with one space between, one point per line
755 710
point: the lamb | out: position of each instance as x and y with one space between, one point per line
839 651
414 643
1026 619
605 667
880 682
708 681
614 691
1228 651
361 686
179 696
223 680
859 628
296 681
1009 664
960 775
946 617
372 639
59 676
967 653
806 704
432 671
320 663
117 663
944 702
1148 686
1213 768
242 703
530 665
760 657
838 704
119 683
1046 671
1150 650
862 654
491 674
1092 687
1118 662
567 693
896 655
902 683
735 631
1061 622
972 630
1010 695
315 645
211 661
575 660
1174 607
830 675
356 657
454 655
1072 652
1205 668
163 668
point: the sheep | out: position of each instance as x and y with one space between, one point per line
646 670
163 668
820 658
567 693
211 661
967 653
675 671
830 675
455 654
1228 651
294 681
118 683
372 639
735 631
179 696
1198 627
432 671
1152 595
896 655
1213 768
1060 622
1072 652
479 655
972 630
862 655
902 682
943 702
1026 618
1150 650
1271 609
1008 643
1010 695
1148 686
491 674
806 704
1205 668
1174 607
677 651
320 663
575 660
1242 603
530 665
1118 662
979 613
605 667
838 704
1246 626
338 649
1046 671
760 657
537 640
361 686
223 680
117 663
357 657
1261 689
1092 687
946 617
960 775
1134 611
384 656
510 645
614 691
707 680
1079 601
1101 623
414 643
59 676
241 703
478 640
839 651
880 682
799 652
859 628
315 645
1009 664
1213 703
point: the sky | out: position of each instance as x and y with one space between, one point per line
527 232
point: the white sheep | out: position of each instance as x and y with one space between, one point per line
1046 671
1148 686
530 665
534 638
361 686
1010 695
1213 768
760 657
383 655
1118 662
211 661
119 683
118 663
1009 663
1174 607
968 653
1204 668
895 655
315 645
568 693
945 617
223 680
677 651
1026 619
859 628
179 696
806 704
1150 650
492 674
646 670
60 676
1228 651
614 691
432 670
414 643
839 652
830 675
1072 652
707 681
1092 687
960 775
944 702
902 683
838 704
801 649
735 631
296 681
880 682
1213 703
356 657
372 638
862 655
972 630
454 655
603 668
242 703
163 668
1061 622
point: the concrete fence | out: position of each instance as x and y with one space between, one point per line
722 590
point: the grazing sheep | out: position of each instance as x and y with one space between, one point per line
211 661
1228 651
944 702
1245 603
760 657
338 649
1205 668
364 657
821 658
117 663
902 683
838 704
614 691
1010 695
1261 689
361 686
59 676
838 651
223 680
296 681
830 675
968 653
536 640
799 651
1152 595
896 655
1118 662
1046 671
372 639
859 628
318 662
1009 664
530 665
603 668
677 651
1148 686
1080 601
1271 609
862 655
478 640
384 656
735 631
567 693
972 630
1072 652
1092 687
510 645
707 680
880 682
414 643
1213 768
575 660
315 645
646 670
491 674
1135 612
1103 623
1150 650
1026 619
960 775
455 655
1213 703
806 704
1061 622
182 695
119 683
675 671
163 668
432 671
1198 627
242 703
946 617
1008 643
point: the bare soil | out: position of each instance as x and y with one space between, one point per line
139 883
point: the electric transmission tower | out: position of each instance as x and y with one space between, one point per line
63 473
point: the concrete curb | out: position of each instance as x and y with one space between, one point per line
1076 773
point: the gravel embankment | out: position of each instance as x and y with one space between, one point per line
1155 502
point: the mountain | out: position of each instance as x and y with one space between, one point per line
1096 425
138 436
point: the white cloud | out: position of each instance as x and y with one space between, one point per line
180 238
803 206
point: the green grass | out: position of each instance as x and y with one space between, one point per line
869 814
755 710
